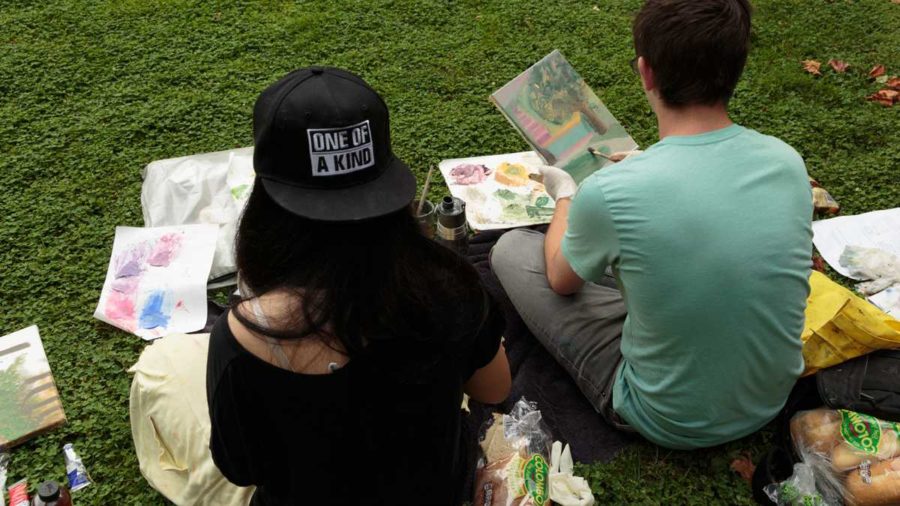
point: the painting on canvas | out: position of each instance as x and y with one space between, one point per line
499 190
156 281
561 117
29 401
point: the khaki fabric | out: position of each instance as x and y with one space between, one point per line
170 423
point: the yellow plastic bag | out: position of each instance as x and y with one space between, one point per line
840 326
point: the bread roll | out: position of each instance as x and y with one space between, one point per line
816 431
845 457
883 489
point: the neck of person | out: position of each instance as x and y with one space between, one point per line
691 119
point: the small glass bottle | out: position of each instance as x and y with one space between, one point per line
51 493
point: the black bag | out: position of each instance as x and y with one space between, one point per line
868 384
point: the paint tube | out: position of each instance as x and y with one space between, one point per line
4 467
75 470
18 493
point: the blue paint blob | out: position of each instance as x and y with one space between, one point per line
155 314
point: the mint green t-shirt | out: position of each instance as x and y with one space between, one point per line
710 239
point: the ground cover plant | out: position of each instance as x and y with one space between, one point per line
91 91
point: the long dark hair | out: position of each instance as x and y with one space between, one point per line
358 282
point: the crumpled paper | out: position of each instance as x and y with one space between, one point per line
881 268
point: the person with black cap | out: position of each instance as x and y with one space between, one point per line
338 377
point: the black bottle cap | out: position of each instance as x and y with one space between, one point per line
48 491
447 203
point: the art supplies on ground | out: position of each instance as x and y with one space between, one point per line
498 191
29 402
854 457
869 236
562 118
156 281
203 188
76 473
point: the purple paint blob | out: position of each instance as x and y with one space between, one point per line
126 285
165 250
130 262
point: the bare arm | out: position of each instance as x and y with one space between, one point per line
563 280
491 383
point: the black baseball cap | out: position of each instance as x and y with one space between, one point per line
323 148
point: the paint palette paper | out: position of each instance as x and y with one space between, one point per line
561 117
156 282
498 191
29 401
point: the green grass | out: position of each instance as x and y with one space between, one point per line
92 91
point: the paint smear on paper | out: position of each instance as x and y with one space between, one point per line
156 311
126 286
120 308
131 262
165 250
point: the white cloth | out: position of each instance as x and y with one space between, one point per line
566 489
203 188
559 183
170 424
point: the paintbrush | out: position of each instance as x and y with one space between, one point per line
600 154
424 191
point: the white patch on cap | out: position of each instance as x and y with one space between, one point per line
336 151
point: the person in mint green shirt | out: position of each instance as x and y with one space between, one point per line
672 285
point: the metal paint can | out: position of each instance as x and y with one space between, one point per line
451 225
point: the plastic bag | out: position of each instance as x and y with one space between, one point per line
514 468
854 457
840 326
205 188
798 490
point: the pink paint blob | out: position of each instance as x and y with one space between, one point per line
469 173
120 309
165 250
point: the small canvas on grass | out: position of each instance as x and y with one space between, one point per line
156 281
561 117
499 190
29 401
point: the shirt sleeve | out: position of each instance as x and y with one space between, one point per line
487 338
591 243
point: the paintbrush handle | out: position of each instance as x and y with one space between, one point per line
424 191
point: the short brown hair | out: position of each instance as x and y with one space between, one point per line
696 48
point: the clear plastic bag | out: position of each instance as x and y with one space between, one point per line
514 467
855 458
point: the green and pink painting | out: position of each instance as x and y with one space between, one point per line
29 401
561 117
156 281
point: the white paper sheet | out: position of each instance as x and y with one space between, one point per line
523 204
156 281
878 229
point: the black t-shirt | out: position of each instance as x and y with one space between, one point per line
385 428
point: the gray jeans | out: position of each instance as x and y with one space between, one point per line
582 331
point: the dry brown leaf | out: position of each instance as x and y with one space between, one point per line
885 97
877 70
744 467
839 66
893 82
812 66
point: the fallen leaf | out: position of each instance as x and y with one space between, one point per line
893 82
744 467
885 97
597 8
877 70
882 79
839 66
812 66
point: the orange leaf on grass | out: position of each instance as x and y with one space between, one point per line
839 66
893 83
885 97
877 70
812 66
744 467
